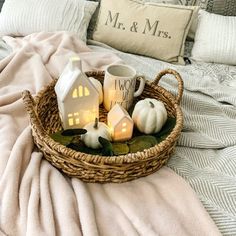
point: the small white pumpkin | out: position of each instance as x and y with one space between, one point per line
149 115
98 86
94 130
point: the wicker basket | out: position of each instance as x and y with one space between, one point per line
44 119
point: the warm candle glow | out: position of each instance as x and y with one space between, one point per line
86 91
77 97
71 122
120 123
75 93
80 91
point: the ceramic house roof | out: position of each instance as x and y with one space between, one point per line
118 113
70 78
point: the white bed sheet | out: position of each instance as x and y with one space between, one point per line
206 152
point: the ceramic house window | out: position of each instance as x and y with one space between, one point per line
74 89
80 92
120 123
73 119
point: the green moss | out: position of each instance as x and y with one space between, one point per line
138 143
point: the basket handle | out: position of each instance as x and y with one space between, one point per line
178 78
29 103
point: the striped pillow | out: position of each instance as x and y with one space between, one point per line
23 17
215 39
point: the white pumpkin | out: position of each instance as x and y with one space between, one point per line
149 115
94 130
98 86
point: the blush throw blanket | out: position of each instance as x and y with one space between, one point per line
37 199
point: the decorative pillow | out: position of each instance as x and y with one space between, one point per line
193 26
215 39
23 17
153 30
192 29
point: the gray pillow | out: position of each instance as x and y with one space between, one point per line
222 7
1 3
93 20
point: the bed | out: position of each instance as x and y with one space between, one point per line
194 194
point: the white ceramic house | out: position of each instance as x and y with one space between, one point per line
120 123
77 98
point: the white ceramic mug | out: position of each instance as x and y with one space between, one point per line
119 86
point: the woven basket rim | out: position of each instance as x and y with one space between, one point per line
120 159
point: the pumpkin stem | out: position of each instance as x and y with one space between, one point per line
96 123
151 104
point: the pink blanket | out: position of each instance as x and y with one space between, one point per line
36 199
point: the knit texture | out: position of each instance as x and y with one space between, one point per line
206 151
222 7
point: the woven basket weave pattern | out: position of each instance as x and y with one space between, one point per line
44 119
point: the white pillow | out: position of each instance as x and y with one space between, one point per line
215 39
23 17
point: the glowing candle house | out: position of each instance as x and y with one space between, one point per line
77 98
120 123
